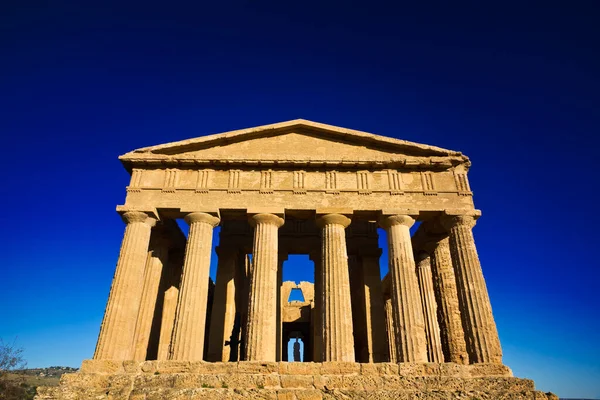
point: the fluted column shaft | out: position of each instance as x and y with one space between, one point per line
336 312
157 260
409 325
391 334
444 281
118 327
261 328
190 320
223 308
432 328
483 344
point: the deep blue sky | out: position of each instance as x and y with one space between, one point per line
514 86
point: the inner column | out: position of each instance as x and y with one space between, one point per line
338 343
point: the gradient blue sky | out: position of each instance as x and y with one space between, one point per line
515 86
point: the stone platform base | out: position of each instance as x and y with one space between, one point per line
153 380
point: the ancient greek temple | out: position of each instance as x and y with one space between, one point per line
297 187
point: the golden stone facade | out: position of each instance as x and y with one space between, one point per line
298 187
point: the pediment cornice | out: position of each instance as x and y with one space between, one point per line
379 151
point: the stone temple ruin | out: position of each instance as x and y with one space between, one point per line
426 331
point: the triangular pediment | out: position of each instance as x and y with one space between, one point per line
294 142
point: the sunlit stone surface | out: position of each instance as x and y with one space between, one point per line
424 331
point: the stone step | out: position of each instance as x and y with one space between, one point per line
275 381
150 380
290 394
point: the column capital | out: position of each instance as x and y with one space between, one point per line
387 221
265 218
138 216
337 219
198 216
450 221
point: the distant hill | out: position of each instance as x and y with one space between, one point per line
49 372
29 379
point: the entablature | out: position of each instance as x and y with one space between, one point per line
300 182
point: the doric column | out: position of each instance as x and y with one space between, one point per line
190 320
118 327
167 321
157 260
223 309
261 328
391 334
375 310
336 313
444 282
432 328
409 325
483 344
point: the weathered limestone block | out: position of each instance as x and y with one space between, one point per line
451 329
300 368
265 380
409 325
297 381
483 343
339 368
336 313
190 319
118 327
432 329
261 326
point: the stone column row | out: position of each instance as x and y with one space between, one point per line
448 287
127 324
